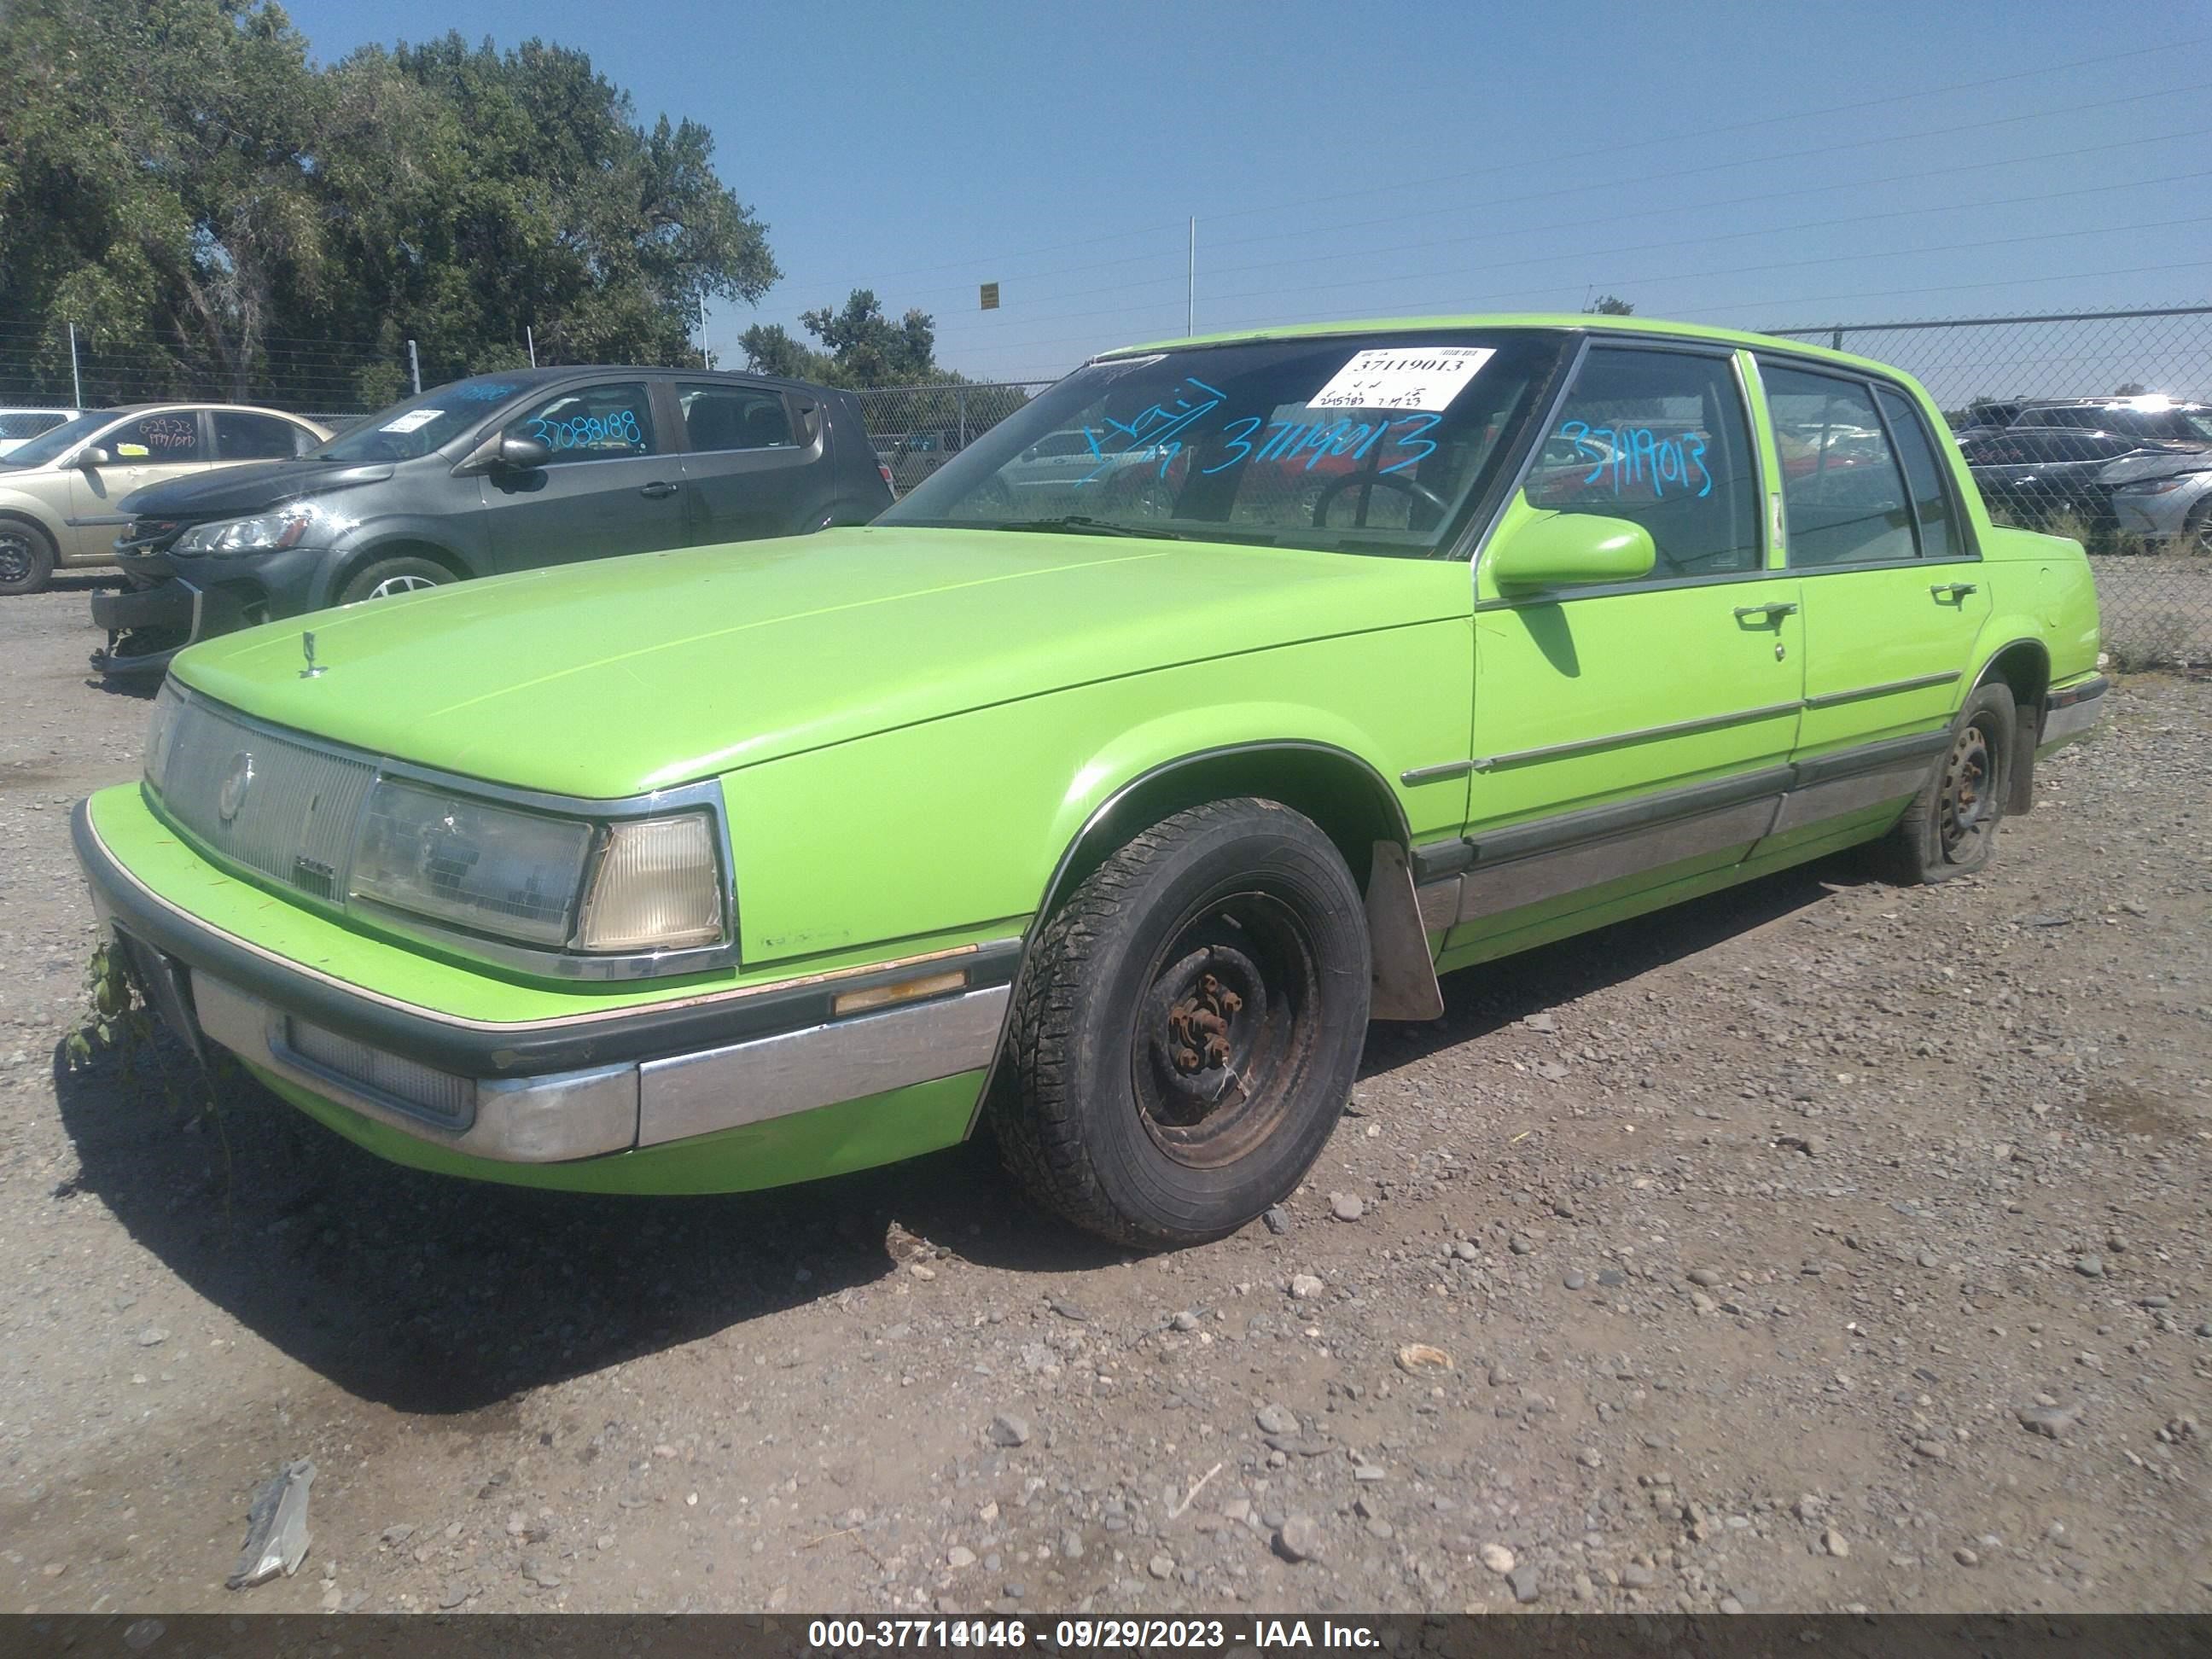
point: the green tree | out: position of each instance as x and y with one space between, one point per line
179 180
1609 305
860 347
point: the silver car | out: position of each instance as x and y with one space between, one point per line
2165 499
60 493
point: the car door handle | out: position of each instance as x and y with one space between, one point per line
1779 608
1953 589
657 490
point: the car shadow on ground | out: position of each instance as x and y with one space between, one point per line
437 1296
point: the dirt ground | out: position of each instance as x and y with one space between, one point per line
1822 1245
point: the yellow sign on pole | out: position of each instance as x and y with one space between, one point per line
990 296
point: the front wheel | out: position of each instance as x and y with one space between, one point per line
1189 1027
27 557
1951 827
389 577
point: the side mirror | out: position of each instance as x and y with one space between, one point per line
92 455
523 454
1562 549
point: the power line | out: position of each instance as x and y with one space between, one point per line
1643 281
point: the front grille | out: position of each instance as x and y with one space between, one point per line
293 809
438 1095
143 536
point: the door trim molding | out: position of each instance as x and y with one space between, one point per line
1642 734
1917 683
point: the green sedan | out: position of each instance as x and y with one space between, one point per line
1107 814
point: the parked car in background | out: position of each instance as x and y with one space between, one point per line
505 472
2038 476
2151 419
62 492
916 455
19 425
2165 499
734 867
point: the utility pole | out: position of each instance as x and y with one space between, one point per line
414 368
1190 290
76 380
531 339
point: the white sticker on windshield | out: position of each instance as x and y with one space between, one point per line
1403 377
412 419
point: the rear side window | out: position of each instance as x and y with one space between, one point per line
157 439
242 436
610 422
1658 438
734 418
1841 482
1935 516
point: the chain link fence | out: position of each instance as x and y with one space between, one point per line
2094 425
917 428
2089 424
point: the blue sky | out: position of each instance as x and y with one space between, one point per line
1759 164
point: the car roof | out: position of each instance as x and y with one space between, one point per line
186 404
1578 322
546 374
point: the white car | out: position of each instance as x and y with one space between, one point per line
19 426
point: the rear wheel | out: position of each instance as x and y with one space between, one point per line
27 557
1187 1027
1951 827
389 577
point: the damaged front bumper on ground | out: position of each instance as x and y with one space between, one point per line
729 1089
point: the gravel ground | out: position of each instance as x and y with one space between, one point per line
1819 1246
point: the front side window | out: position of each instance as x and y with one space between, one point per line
607 422
162 440
1658 438
733 417
1841 482
1935 518
1375 443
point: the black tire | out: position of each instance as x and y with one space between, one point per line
388 576
1187 1027
1951 827
27 557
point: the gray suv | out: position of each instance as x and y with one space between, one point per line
501 472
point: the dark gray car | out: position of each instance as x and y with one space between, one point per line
501 472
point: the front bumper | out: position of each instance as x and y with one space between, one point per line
2072 710
199 598
625 1082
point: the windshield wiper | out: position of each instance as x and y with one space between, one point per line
1078 524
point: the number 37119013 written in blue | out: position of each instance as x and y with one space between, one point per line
1637 456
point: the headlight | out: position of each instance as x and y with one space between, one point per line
2156 486
512 874
265 533
657 886
161 729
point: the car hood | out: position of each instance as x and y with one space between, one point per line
2135 469
233 491
619 676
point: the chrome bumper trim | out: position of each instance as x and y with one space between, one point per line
698 1094
2072 710
563 1116
532 1119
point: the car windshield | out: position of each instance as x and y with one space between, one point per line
1360 443
48 445
421 424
